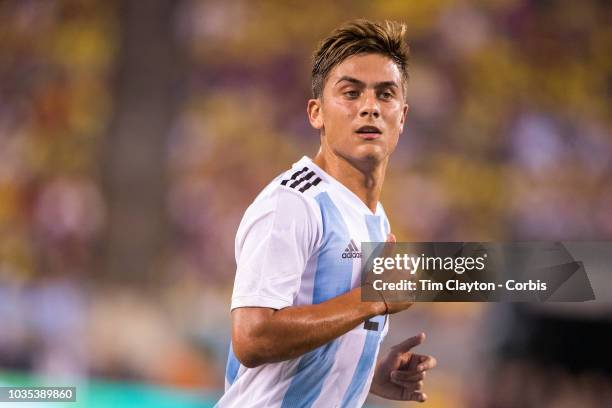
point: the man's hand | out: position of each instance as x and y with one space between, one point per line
400 374
391 305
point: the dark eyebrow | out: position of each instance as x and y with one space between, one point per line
378 85
386 84
351 80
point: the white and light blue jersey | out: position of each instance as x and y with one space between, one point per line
299 244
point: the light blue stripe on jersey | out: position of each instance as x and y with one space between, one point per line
364 365
231 369
373 224
334 273
310 375
332 278
366 360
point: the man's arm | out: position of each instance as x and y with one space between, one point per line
262 335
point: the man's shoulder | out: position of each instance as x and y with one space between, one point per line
290 196
302 181
288 202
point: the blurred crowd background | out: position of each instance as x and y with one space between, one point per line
134 135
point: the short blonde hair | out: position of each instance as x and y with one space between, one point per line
359 37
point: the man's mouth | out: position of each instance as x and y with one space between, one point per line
369 132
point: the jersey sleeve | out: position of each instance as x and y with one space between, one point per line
276 238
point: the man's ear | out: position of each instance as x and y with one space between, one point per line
404 115
315 113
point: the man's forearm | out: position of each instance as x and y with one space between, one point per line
268 335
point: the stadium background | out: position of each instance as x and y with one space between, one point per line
133 135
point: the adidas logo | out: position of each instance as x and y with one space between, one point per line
351 251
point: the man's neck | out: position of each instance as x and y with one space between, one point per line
365 181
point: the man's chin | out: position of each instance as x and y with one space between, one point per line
369 155
371 152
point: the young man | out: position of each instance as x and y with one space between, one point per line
301 336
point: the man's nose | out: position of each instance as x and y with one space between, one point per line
370 106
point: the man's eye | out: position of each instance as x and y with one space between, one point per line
351 94
386 95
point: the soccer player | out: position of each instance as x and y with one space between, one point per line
301 336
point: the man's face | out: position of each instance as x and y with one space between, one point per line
362 112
